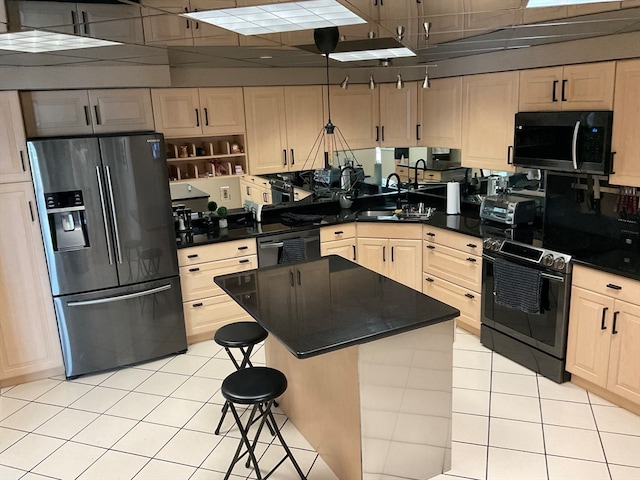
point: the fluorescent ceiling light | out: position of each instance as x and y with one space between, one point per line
372 54
36 41
279 17
561 3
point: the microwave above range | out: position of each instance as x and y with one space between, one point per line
576 141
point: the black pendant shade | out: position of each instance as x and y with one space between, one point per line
326 39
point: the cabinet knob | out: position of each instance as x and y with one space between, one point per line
429 279
472 260
613 286
196 269
196 305
193 255
244 261
244 247
468 295
471 245
431 247
430 234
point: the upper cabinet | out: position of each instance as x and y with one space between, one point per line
385 116
13 161
572 87
440 116
163 29
626 125
79 112
489 105
198 111
117 22
284 127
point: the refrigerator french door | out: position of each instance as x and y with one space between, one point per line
107 226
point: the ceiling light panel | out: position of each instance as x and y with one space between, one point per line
36 41
561 3
279 17
360 55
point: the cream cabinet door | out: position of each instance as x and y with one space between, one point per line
164 26
468 302
118 22
305 122
404 261
624 362
589 86
490 102
176 111
13 161
266 129
28 334
398 115
372 254
540 89
121 110
222 110
356 114
58 112
345 248
441 113
453 265
589 341
207 34
626 125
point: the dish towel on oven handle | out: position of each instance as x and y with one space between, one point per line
293 250
517 286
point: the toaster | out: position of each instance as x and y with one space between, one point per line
508 209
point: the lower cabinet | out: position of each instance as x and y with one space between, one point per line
339 240
604 329
29 342
452 273
392 251
206 306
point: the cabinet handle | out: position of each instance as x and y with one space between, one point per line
74 21
431 247
265 198
615 321
430 234
468 295
86 115
299 277
22 161
472 260
564 89
339 232
244 247
31 212
429 279
284 154
377 134
85 23
197 23
291 278
384 251
615 287
196 305
193 255
293 159
603 325
392 259
97 112
418 132
509 155
245 260
196 269
471 245
383 133
354 253
186 10
554 97
197 118
206 116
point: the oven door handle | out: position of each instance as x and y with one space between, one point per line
548 276
574 145
280 244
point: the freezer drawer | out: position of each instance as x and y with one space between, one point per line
120 326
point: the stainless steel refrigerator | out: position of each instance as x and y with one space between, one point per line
105 211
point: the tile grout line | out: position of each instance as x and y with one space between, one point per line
595 421
542 423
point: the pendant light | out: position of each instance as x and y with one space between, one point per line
372 83
399 82
345 83
426 83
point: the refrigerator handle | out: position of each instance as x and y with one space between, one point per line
104 214
119 298
113 215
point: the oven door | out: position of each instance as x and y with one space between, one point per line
270 247
547 330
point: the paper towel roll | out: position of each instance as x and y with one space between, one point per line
453 198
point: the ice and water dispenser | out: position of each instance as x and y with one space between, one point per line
67 220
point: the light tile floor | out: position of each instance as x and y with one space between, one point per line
154 421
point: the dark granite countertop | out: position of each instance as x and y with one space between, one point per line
619 262
319 306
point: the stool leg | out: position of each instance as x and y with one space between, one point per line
244 441
286 448
225 407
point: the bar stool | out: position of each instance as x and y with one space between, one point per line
243 336
259 387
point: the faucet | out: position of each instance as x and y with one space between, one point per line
398 201
415 171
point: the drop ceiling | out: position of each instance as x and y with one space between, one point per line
457 28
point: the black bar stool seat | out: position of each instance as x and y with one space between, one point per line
259 387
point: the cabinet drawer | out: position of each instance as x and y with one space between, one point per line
205 316
453 265
338 232
605 283
467 301
197 281
459 241
216 251
404 172
386 230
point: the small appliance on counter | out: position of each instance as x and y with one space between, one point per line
508 209
443 158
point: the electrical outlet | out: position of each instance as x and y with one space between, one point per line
224 193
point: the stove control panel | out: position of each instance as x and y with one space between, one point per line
536 256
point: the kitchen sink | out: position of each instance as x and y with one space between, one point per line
406 214
375 213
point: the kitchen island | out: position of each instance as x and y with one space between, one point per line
368 360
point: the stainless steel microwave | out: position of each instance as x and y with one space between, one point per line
564 141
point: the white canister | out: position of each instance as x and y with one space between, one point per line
453 198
